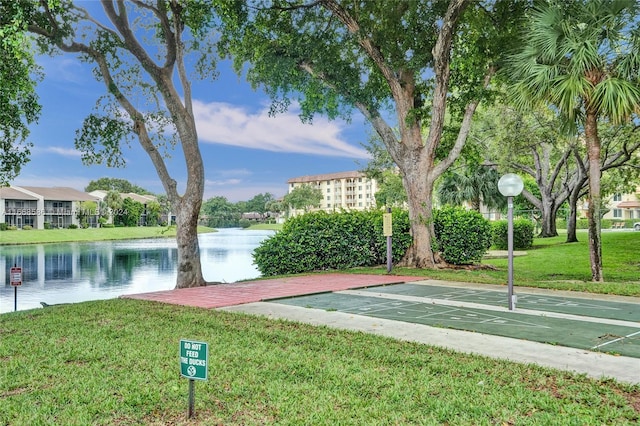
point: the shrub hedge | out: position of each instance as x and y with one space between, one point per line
523 230
321 241
462 236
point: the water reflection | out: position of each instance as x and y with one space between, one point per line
74 272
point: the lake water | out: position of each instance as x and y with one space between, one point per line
77 272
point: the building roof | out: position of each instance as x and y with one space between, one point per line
328 176
14 194
144 199
59 193
629 205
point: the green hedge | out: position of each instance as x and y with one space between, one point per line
322 241
462 236
523 230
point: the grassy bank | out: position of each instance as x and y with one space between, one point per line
36 236
552 263
116 362
265 226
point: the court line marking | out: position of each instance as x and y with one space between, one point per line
446 315
615 340
457 303
497 296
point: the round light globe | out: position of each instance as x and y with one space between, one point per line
510 185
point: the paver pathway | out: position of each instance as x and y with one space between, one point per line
217 296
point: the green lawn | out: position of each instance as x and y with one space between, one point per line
116 362
35 236
552 263
265 226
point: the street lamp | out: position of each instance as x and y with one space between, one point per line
510 185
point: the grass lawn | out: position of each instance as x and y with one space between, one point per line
552 263
35 236
266 226
116 362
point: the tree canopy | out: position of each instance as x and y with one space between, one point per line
140 50
18 98
582 57
397 63
115 184
303 197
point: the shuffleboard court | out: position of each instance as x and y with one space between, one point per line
589 335
575 306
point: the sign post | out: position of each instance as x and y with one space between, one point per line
194 357
387 231
15 274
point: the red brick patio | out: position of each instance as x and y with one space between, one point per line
217 296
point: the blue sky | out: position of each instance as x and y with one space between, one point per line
245 151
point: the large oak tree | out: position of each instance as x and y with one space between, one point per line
400 63
140 50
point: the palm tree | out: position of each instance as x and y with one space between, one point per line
476 185
582 57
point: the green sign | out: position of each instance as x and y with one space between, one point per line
193 359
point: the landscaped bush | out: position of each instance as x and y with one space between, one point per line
244 223
107 225
462 236
321 241
3 226
73 226
522 234
47 225
27 227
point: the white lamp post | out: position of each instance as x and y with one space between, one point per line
510 185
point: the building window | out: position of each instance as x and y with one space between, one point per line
360 196
328 190
617 197
359 179
359 204
328 197
328 205
617 213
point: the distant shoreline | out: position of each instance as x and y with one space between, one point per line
47 236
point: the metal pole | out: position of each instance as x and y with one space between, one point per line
192 398
510 251
389 250
15 294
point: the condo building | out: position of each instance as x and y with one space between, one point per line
341 191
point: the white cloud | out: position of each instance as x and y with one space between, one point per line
64 69
227 124
222 182
65 152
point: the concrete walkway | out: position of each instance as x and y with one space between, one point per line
250 297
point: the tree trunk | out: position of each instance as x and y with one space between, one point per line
548 219
572 221
419 192
189 267
593 149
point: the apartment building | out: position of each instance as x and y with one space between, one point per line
341 191
34 206
624 206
